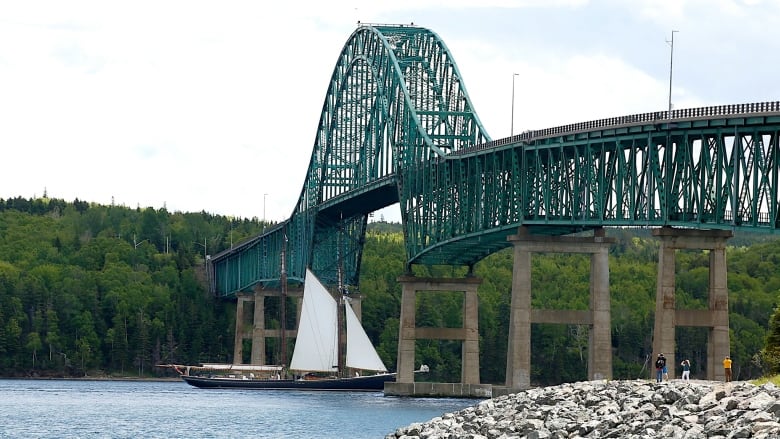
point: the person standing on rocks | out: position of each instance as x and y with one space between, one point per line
727 368
660 368
686 365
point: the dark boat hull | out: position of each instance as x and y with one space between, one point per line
370 383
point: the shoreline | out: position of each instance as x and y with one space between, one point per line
89 378
619 408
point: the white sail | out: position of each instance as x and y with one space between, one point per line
316 346
360 352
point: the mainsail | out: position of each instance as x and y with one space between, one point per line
316 346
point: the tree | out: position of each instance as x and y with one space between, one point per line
771 352
34 344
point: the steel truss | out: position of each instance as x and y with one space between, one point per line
708 168
398 126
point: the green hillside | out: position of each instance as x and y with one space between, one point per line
94 290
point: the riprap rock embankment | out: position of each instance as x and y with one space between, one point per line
615 409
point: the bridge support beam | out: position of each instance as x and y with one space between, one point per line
241 330
258 332
409 333
598 318
668 317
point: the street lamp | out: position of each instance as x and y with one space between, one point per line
137 243
205 256
671 61
264 196
512 129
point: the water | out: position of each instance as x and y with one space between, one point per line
173 409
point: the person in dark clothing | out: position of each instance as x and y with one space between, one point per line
660 365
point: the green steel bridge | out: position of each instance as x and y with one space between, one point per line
398 126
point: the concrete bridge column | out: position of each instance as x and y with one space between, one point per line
598 318
238 346
470 356
718 342
668 317
406 335
409 332
258 329
518 364
665 309
600 336
298 310
356 302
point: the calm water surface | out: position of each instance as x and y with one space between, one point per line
130 409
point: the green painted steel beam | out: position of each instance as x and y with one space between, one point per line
712 168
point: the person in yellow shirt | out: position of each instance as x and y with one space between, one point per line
727 368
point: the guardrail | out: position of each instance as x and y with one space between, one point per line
655 117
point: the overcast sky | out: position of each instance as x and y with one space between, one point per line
214 106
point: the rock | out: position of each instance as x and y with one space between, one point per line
615 409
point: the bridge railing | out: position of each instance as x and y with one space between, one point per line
762 219
633 119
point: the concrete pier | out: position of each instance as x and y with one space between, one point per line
241 328
598 318
715 318
256 330
409 333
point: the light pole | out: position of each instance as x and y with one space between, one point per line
137 243
512 128
205 256
264 195
671 63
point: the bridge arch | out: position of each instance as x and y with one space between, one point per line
395 101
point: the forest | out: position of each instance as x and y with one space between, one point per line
95 290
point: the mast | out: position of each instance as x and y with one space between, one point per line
283 302
342 342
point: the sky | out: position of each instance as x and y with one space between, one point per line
214 106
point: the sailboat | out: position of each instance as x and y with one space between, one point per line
316 352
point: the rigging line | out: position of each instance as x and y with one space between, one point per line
644 366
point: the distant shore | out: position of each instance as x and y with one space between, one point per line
90 378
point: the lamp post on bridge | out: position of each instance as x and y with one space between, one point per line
512 128
671 63
264 196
